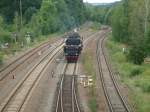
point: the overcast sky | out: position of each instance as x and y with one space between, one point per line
100 1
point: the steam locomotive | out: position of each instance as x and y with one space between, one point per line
73 47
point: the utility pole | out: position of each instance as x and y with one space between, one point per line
21 13
146 15
21 23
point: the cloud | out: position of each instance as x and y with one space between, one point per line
100 1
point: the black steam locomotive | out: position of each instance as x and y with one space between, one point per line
73 47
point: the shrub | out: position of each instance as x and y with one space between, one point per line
145 85
120 57
1 58
136 71
145 81
5 36
137 54
124 68
113 46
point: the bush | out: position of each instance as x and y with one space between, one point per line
136 71
1 58
5 36
125 68
137 54
145 85
120 57
113 46
147 88
144 81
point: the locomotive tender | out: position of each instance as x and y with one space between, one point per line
73 47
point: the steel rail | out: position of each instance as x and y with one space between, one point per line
14 92
73 106
75 102
29 54
113 79
101 77
75 98
60 98
59 102
32 51
100 44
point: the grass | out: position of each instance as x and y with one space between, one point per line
135 76
93 104
87 62
88 65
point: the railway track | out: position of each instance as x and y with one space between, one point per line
17 98
4 72
14 65
115 100
15 101
66 99
67 95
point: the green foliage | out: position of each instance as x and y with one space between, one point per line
5 36
88 65
113 45
144 81
28 13
9 7
147 41
1 58
136 71
98 13
146 86
137 53
39 17
135 76
120 24
93 104
120 56
96 26
130 26
76 9
57 16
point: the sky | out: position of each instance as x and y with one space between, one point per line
100 1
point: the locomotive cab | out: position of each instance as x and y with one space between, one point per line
73 47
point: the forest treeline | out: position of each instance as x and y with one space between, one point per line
19 18
129 19
42 17
130 23
39 17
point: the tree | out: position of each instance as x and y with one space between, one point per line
137 53
131 25
8 11
120 24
